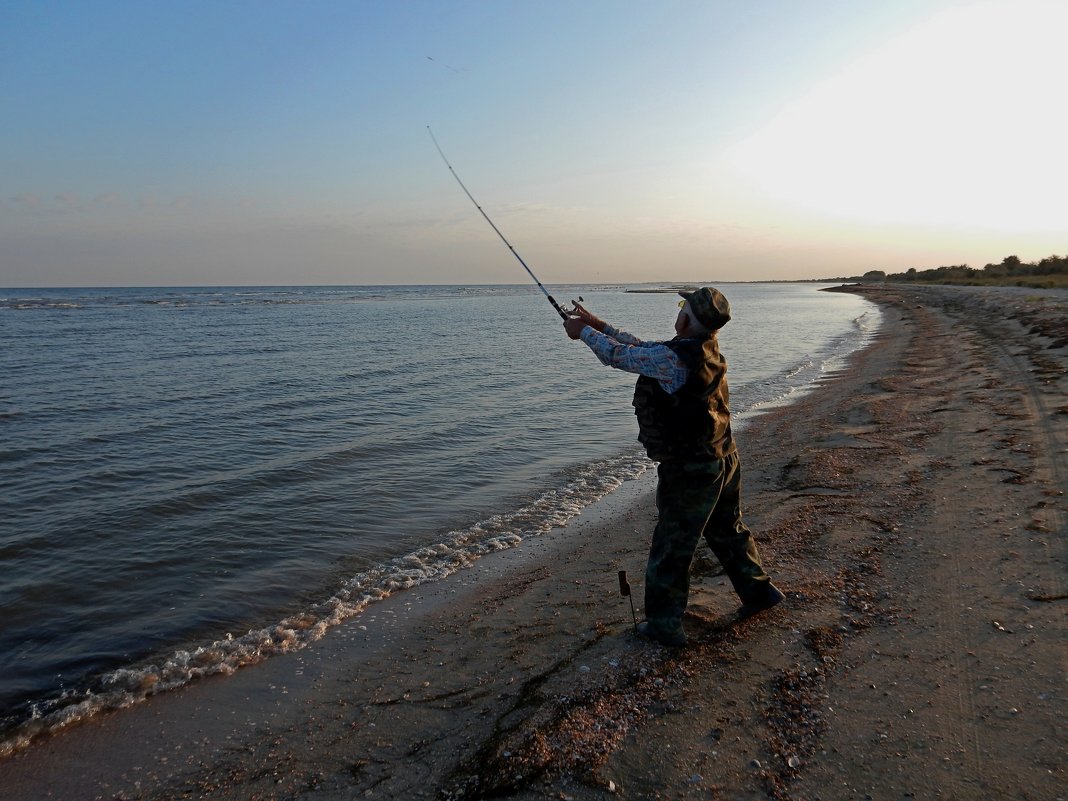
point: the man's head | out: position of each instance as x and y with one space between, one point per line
703 312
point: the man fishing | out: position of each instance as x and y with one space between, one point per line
681 401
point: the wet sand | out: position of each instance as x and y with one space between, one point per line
912 507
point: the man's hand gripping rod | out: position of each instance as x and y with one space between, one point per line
552 300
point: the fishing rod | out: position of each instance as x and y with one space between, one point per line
552 300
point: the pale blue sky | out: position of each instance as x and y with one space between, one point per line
270 142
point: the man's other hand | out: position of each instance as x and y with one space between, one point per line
590 319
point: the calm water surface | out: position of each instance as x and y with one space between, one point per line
194 478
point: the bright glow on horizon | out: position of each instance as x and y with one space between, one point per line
682 140
959 122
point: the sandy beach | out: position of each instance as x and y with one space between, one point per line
912 507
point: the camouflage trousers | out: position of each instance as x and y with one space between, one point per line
698 499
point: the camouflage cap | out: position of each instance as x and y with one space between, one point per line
709 306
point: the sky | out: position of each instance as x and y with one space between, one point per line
611 141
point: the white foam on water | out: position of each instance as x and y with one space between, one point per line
457 550
806 374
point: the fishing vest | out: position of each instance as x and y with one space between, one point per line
695 421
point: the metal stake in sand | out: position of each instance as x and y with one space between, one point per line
624 590
552 300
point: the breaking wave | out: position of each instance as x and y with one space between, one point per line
456 551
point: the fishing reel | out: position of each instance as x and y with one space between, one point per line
574 303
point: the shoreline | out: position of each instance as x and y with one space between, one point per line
519 677
202 649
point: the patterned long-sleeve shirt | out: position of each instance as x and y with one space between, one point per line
625 351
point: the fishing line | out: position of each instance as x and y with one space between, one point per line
552 300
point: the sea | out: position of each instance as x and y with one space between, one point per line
194 479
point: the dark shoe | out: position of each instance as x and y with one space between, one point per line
673 638
769 598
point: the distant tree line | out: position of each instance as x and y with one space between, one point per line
1050 271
